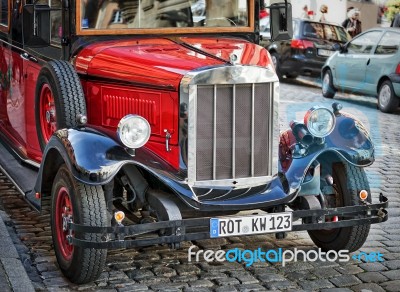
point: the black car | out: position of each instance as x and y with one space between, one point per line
307 52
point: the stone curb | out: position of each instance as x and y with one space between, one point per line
15 273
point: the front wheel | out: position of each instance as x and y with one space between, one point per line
81 204
349 181
328 90
388 102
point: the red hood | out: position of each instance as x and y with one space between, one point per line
162 61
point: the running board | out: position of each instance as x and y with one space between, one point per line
20 173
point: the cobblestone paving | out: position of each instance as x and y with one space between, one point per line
160 269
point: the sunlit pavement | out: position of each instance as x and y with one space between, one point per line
159 268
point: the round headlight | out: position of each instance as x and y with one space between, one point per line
133 131
320 121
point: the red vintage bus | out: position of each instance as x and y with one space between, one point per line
156 121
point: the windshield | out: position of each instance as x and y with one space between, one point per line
107 16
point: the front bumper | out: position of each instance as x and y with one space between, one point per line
130 236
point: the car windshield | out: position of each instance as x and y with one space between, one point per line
325 31
128 15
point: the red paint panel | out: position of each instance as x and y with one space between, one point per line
32 147
247 52
118 103
157 62
160 108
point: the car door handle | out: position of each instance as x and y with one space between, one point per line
368 61
28 57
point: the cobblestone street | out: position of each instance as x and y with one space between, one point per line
159 268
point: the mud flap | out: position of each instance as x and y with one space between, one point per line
166 210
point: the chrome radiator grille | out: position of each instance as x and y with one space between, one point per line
233 131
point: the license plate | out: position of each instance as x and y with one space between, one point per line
325 53
246 225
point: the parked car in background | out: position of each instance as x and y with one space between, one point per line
265 31
307 52
369 64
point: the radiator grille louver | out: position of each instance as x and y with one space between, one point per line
233 129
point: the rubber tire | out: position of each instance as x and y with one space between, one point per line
393 103
330 91
68 95
291 76
275 55
89 208
351 180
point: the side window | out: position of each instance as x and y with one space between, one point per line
55 22
313 30
389 44
343 35
364 43
4 12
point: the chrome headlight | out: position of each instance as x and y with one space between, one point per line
133 131
319 121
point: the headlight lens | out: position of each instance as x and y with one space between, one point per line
133 131
320 121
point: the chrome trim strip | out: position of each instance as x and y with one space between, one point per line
270 128
252 128
233 131
215 134
12 181
192 134
209 191
237 183
274 151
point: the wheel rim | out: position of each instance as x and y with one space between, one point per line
63 214
325 83
385 95
47 112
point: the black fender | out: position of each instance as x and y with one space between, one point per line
95 158
349 141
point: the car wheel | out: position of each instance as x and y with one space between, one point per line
81 204
59 99
328 90
388 102
348 181
291 76
276 63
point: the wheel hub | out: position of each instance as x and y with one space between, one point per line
384 96
325 83
65 220
50 114
63 216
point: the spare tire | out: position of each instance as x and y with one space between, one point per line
59 99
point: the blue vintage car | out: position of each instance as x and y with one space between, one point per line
369 64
